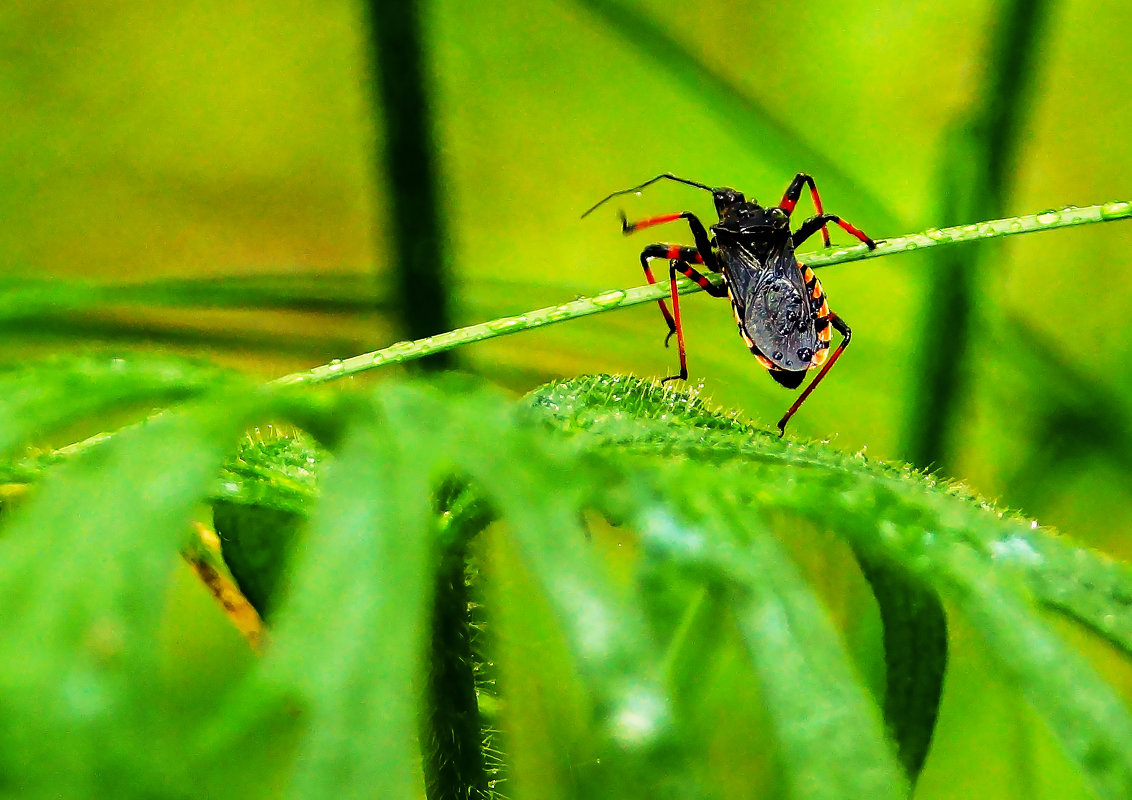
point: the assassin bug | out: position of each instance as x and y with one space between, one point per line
779 304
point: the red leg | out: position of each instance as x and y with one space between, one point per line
675 266
681 259
794 191
846 335
672 252
677 327
811 226
699 233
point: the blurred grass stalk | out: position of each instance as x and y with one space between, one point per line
977 165
419 239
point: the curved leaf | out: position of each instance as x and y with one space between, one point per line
84 564
351 629
830 735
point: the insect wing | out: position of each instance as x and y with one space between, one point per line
775 310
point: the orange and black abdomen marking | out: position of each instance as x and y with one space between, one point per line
821 315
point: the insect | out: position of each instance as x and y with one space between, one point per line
779 304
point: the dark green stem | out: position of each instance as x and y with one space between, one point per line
453 732
979 158
415 218
454 763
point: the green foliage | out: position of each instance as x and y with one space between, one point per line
630 551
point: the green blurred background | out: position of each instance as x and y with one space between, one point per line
243 142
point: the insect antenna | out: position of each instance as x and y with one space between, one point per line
664 176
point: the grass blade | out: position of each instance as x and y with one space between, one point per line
40 397
84 565
831 739
351 630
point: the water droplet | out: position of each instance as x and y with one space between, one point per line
558 313
936 235
911 245
640 717
1116 209
1016 225
394 352
335 365
1049 217
507 324
989 231
610 299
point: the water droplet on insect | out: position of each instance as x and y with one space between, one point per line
610 299
507 324
776 355
1116 209
1049 217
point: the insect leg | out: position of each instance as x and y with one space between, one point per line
675 266
672 252
699 233
846 335
813 224
794 191
681 260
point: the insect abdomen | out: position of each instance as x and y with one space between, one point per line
806 356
